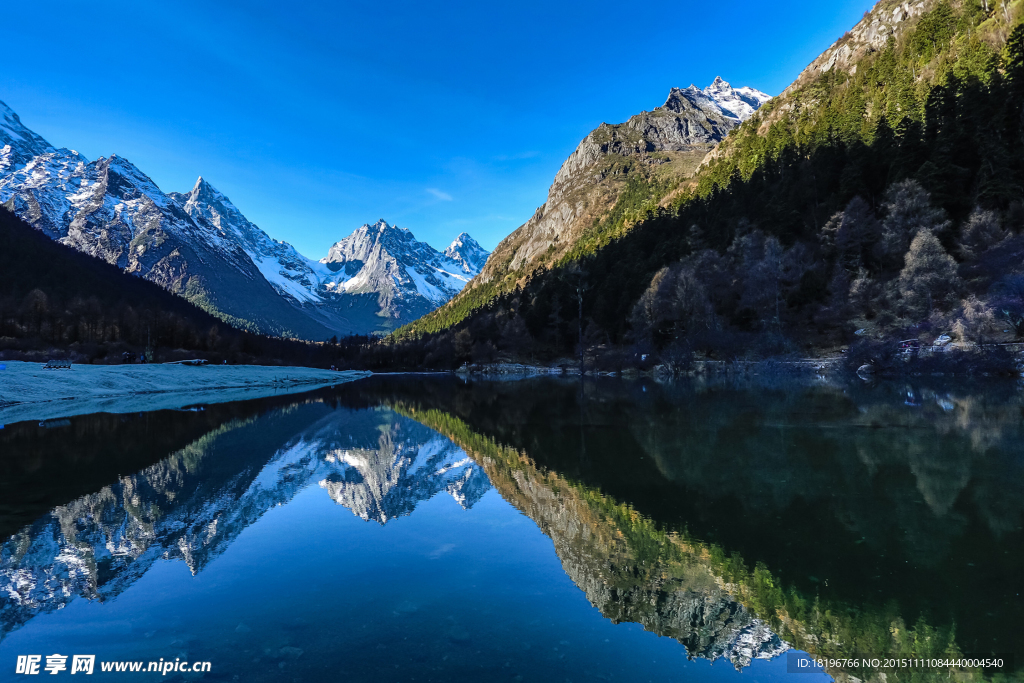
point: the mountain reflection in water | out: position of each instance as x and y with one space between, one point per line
191 505
739 521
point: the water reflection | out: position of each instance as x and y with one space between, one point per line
738 520
848 518
191 505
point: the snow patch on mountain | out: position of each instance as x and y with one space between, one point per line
290 273
739 103
18 144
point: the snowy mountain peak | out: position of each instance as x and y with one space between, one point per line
389 260
686 100
465 250
127 182
740 103
359 245
12 129
225 228
206 199
463 239
205 190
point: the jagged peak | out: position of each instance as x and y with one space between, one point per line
686 98
738 104
366 234
383 226
467 251
205 192
464 238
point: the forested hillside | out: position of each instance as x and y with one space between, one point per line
56 301
884 193
615 176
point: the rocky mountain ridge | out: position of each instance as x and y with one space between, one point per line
661 146
200 246
669 138
18 144
887 19
408 276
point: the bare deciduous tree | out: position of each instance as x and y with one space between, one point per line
975 321
982 231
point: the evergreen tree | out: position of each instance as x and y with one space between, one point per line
929 279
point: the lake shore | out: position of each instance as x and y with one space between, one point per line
697 368
28 392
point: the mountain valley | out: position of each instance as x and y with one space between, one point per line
200 246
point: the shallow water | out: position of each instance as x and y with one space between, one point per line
416 528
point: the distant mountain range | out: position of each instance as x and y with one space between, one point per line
199 245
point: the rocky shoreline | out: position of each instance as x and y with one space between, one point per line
820 366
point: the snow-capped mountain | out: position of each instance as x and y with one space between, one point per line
466 251
287 271
110 209
199 245
407 275
740 103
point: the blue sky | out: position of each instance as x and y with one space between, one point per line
315 118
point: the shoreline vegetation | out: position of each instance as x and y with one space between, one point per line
30 393
873 359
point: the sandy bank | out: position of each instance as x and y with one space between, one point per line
27 392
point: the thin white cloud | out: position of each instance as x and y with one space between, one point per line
443 196
517 157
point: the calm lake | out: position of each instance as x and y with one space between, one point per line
424 528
